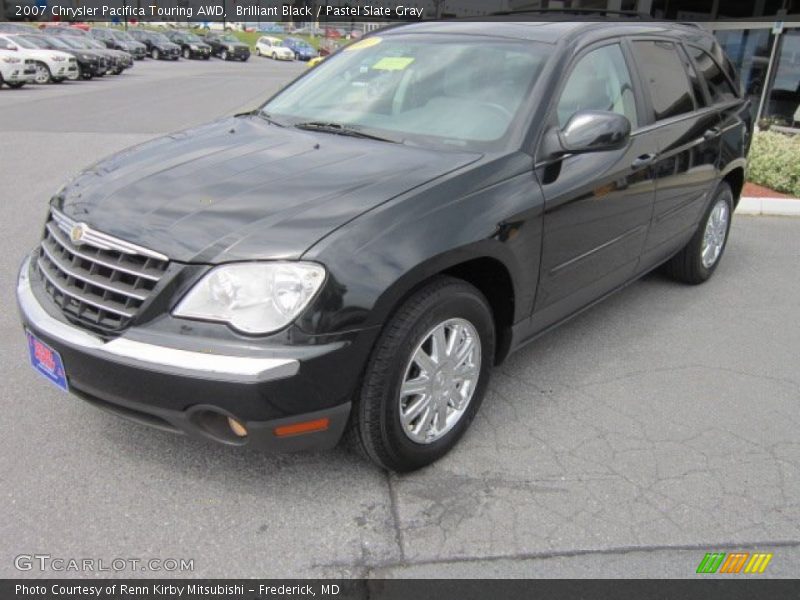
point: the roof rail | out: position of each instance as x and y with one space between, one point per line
586 12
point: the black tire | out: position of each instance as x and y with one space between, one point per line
375 429
155 54
687 265
187 54
223 55
13 85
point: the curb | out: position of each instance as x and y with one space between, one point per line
785 207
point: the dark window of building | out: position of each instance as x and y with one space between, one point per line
666 78
718 85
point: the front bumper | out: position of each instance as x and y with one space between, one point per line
200 52
194 392
20 74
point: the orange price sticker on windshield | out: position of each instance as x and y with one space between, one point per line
393 63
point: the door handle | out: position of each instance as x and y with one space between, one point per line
645 160
712 133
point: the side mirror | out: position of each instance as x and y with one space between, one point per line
589 131
10 46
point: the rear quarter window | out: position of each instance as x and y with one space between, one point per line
718 85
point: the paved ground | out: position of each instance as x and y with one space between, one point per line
655 427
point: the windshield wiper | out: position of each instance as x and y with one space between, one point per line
260 113
340 129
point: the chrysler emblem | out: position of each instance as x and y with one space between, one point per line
77 232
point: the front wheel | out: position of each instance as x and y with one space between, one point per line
426 377
42 73
698 260
155 54
224 55
15 85
187 54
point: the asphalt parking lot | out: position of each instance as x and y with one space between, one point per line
660 425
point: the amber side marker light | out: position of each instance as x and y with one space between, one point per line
237 428
304 427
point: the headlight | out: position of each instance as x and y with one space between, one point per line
58 58
11 59
253 297
230 48
193 46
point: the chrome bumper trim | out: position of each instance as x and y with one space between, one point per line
150 356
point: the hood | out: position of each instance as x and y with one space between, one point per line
45 54
166 46
242 189
235 44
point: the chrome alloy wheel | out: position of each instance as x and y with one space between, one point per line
714 235
440 380
42 73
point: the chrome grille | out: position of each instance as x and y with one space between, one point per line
100 282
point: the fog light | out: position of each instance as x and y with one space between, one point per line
303 427
237 428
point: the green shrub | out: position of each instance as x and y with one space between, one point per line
775 162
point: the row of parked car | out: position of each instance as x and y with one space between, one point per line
55 52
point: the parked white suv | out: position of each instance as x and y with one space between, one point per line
274 48
50 65
14 70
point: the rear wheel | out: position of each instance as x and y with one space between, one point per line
698 260
426 377
258 51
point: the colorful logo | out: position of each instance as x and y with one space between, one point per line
734 562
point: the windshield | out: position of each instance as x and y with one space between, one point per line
454 90
228 38
190 37
158 37
25 43
57 43
37 43
121 35
89 43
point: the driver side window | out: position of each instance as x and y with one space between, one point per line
600 81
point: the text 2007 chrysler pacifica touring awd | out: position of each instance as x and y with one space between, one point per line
359 252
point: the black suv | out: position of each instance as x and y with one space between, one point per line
227 46
191 45
359 252
158 45
119 40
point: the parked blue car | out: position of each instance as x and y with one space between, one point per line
302 50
